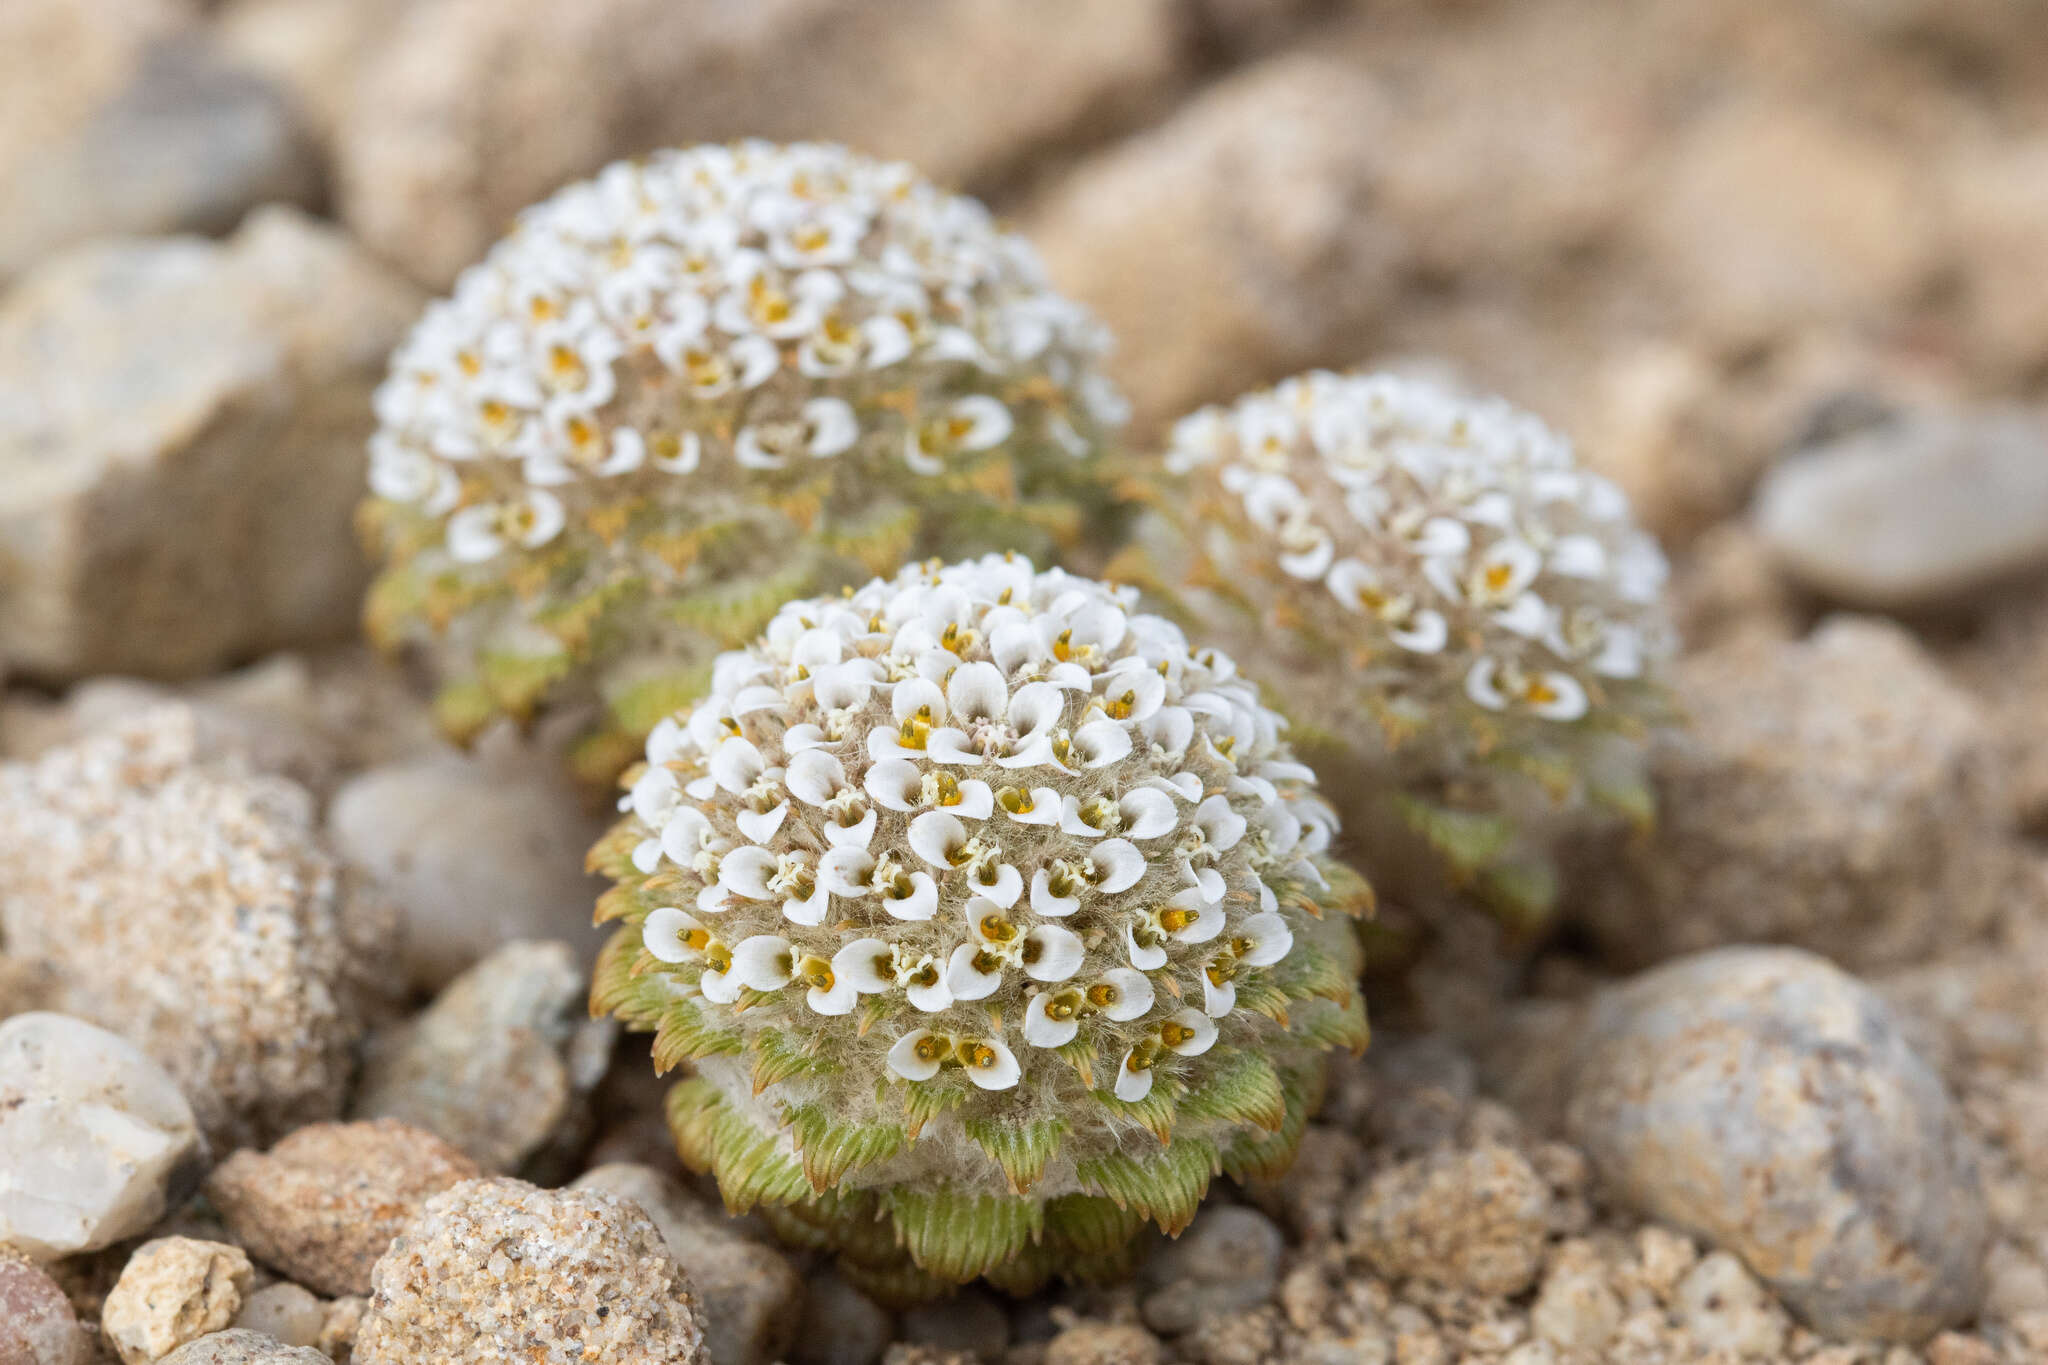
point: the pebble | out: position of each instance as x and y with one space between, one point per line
1228 1261
1474 1220
752 1297
497 1269
1926 510
1576 1309
37 1324
173 1291
1104 1343
242 1347
841 1325
1725 1309
1769 1103
972 1322
501 1062
96 1141
1839 793
477 850
324 1203
135 124
258 963
291 1313
182 445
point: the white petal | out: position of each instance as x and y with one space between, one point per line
921 904
814 777
1578 557
1045 903
647 855
721 988
1041 1029
1271 939
935 835
1480 684
662 933
811 911
1134 993
917 694
1002 1070
736 764
931 999
1222 825
894 782
1311 562
844 871
856 835
1426 633
904 1061
1143 958
1208 917
1442 536
976 802
1045 808
473 534
1132 1085
1004 890
989 421
833 426
1525 616
1199 1023
689 451
859 964
764 962
1568 698
1060 953
1148 813
1218 1001
976 691
964 981
760 826
745 872
839 1000
1186 786
1117 863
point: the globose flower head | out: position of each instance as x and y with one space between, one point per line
1436 563
964 892
696 385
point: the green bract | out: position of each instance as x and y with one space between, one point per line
1462 623
993 922
682 393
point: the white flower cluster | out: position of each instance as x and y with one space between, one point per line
1459 536
991 809
751 307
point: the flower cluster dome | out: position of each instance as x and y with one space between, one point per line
959 888
696 385
1438 564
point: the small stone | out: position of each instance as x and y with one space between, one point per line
477 850
343 1323
1280 254
172 1291
499 1270
972 1322
182 436
1725 1309
324 1204
917 1353
500 1063
190 907
136 125
841 1325
37 1324
1838 793
1925 510
1665 1258
291 1313
752 1297
1769 1103
1576 1309
1228 1261
1104 1343
1955 1348
1473 1220
95 1139
243 1347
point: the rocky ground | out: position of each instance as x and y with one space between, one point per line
1777 1092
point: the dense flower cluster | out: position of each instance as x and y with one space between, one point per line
974 853
695 386
1439 564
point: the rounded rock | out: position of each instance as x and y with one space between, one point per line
1473 1220
1104 1343
1227 1262
243 1347
291 1313
173 1291
498 1269
95 1139
1769 1103
37 1324
841 1325
324 1204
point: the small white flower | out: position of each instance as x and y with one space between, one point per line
1052 1019
918 1054
1121 994
1134 1074
672 935
764 962
989 1063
